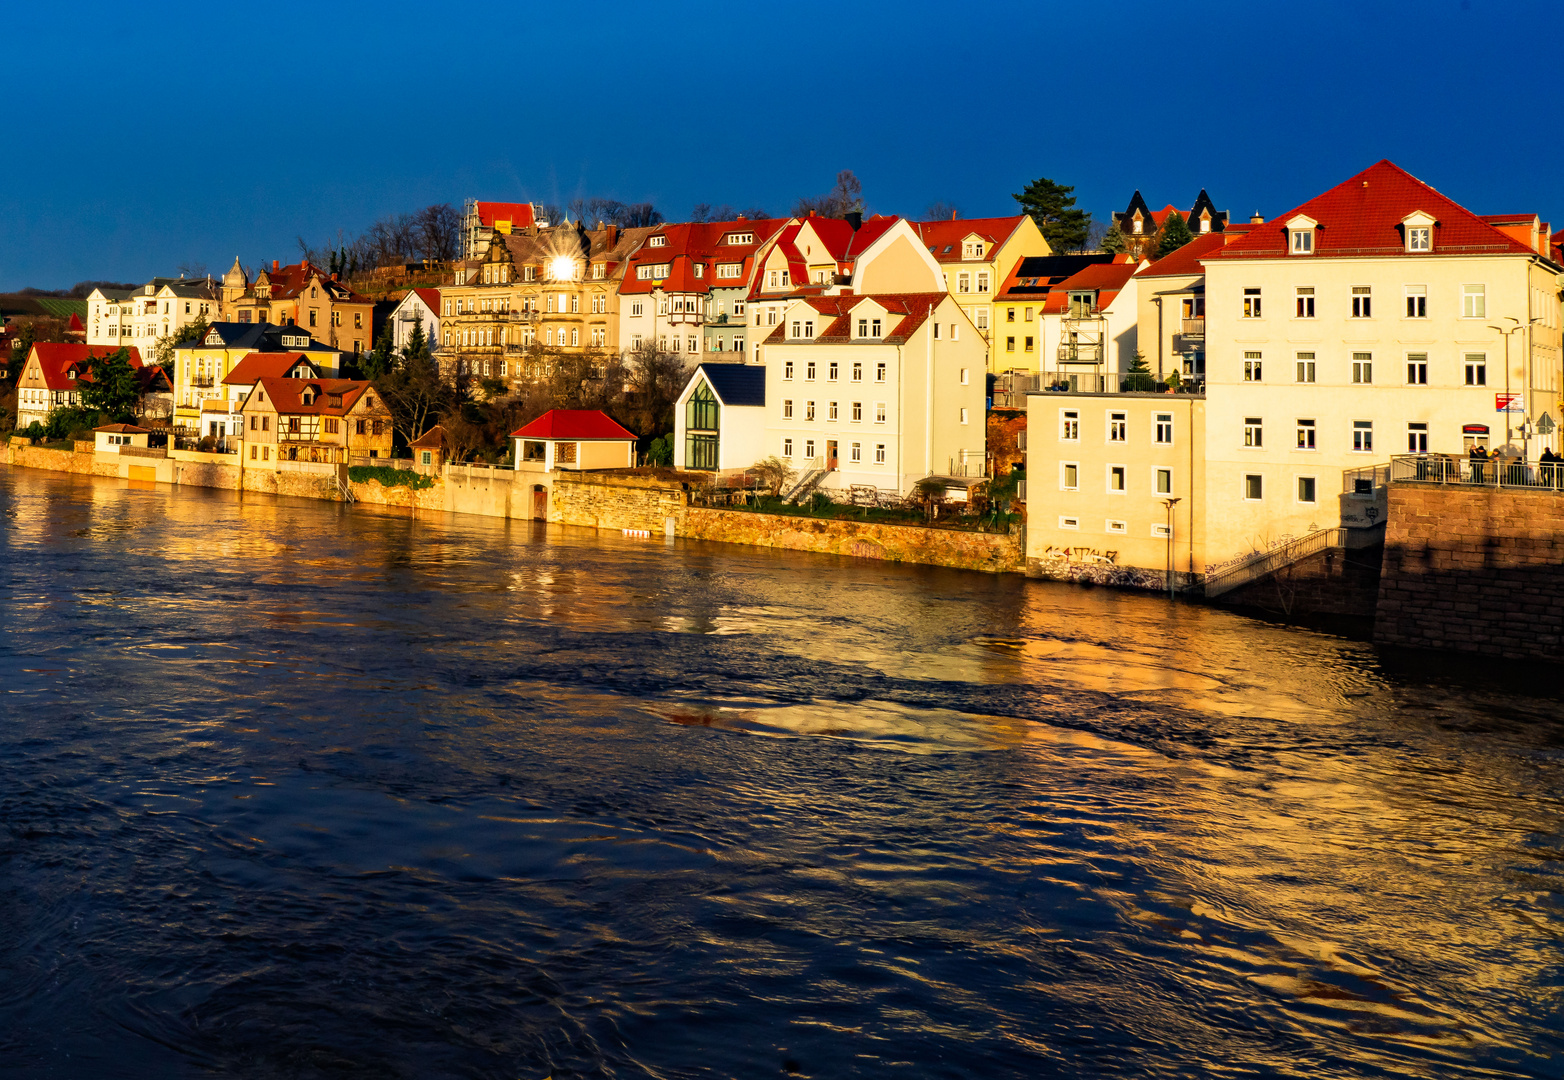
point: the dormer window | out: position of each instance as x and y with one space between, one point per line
657 241
739 238
1418 229
1137 226
973 249
1300 235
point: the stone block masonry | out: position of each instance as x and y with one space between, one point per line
1471 569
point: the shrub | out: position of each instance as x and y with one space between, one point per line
820 502
386 476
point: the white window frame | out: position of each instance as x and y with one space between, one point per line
1123 474
1163 429
1070 425
1477 293
1063 484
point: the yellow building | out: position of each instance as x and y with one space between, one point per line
976 254
332 421
201 366
304 294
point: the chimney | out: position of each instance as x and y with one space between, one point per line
613 236
811 213
276 266
953 215
1256 219
854 218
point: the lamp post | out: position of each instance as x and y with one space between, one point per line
1170 503
1517 328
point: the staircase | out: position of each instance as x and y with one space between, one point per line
809 479
1268 562
341 488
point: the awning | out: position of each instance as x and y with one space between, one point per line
1474 429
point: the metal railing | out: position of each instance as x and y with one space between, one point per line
1364 481
1227 578
1478 472
1194 328
1081 352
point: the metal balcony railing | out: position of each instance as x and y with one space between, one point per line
1081 352
1478 472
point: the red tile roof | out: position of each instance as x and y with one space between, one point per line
938 235
573 424
689 242
519 214
430 297
123 429
255 366
913 309
1186 260
1106 279
1360 217
57 359
285 395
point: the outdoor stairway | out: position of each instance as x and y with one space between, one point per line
807 481
342 489
1278 558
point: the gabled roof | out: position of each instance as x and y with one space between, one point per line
431 297
266 365
578 425
1034 275
1362 216
289 282
123 429
1105 279
285 395
686 244
735 384
258 337
938 236
913 310
1186 260
519 214
433 439
58 360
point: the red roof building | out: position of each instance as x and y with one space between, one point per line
54 370
573 439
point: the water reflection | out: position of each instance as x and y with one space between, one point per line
298 790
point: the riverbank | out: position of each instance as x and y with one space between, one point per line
617 501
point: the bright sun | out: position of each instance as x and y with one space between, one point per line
562 268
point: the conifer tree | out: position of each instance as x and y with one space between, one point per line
1113 240
1175 234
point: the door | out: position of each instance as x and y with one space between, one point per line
830 455
539 502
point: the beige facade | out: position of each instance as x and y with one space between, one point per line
1101 470
319 420
975 255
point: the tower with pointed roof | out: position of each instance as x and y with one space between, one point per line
235 282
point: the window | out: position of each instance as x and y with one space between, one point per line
982 318
1010 344
1417 301
1305 434
963 416
809 449
963 283
982 281
1118 427
863 327
831 370
1305 304
1303 241
636 309
1362 302
1363 436
1010 314
1116 479
1254 431
1305 367
965 381
1251 303
830 411
1417 369
787 409
657 241
856 452
857 413
1115 526
1306 489
1417 438
879 412
787 448
857 371
1252 367
787 369
879 372
1069 523
809 370
1473 302
1254 487
1070 428
1069 476
1164 428
1027 344
1362 367
879 453
1476 369
809 410
1418 238
1164 481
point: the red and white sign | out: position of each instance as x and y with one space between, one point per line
1508 403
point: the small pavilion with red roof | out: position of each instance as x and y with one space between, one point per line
575 439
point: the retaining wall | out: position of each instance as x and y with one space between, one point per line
1477 570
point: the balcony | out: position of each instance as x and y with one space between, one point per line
203 381
1081 352
1194 328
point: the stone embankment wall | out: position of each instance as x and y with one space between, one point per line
1473 569
1336 581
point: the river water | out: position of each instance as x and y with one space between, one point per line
297 790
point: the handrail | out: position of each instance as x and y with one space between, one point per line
1477 472
1267 562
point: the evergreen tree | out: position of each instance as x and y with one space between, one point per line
1051 206
1175 234
381 360
114 389
1138 378
1113 240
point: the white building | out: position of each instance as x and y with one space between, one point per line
140 317
419 305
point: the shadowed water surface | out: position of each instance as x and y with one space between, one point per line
296 791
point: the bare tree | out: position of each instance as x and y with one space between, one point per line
439 232
708 212
772 472
192 268
845 198
942 211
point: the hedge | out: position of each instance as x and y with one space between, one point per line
386 476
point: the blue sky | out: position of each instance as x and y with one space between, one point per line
136 145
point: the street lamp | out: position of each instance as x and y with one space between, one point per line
1517 328
1170 503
